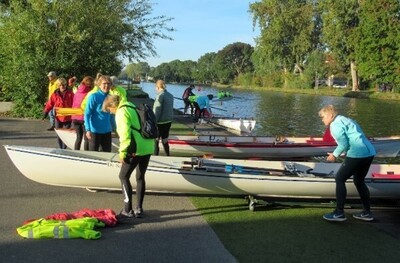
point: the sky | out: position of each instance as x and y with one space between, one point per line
202 26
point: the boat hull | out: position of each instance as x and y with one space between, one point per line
263 147
173 175
237 124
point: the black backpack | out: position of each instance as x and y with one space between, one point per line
148 124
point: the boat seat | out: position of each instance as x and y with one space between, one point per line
388 175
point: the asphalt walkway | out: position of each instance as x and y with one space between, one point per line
172 231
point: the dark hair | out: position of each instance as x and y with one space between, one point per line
210 96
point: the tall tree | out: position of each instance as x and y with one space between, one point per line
378 48
205 70
233 60
287 32
71 37
340 23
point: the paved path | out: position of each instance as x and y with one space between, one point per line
173 230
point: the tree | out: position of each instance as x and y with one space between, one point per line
205 72
71 37
316 67
287 33
162 71
340 22
233 60
137 71
378 49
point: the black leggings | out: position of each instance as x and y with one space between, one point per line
102 140
163 134
358 168
141 162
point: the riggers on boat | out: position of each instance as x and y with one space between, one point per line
265 147
99 170
60 229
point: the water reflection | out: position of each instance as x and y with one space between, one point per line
296 114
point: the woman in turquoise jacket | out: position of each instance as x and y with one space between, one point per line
134 151
352 142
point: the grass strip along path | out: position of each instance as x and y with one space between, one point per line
292 232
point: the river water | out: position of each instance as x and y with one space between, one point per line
295 114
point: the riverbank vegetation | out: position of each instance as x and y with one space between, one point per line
304 45
72 38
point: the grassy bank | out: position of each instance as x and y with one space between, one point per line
326 91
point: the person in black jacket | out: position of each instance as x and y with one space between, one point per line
186 94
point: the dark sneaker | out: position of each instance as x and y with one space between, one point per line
138 212
335 216
125 215
364 216
51 128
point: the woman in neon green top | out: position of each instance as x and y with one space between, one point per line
134 151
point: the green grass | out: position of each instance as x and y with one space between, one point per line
293 234
290 232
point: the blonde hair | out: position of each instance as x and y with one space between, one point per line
61 81
111 101
101 78
160 84
328 109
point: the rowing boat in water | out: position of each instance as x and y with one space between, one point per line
263 147
99 170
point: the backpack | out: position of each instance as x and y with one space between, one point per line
148 124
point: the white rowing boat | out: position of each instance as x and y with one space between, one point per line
100 170
254 146
240 125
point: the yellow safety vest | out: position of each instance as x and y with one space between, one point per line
60 229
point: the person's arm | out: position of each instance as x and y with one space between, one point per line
157 107
338 132
89 108
122 119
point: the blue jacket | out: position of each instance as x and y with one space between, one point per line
350 138
96 120
203 102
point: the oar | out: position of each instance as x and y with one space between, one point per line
218 108
231 168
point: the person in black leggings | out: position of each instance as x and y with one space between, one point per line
359 151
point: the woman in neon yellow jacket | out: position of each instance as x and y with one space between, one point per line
134 151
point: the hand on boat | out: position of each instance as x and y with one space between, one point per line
331 157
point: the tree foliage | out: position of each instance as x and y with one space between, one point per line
377 51
71 37
205 72
233 60
136 71
287 32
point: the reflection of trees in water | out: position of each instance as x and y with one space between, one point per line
297 114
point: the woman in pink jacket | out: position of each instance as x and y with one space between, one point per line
77 120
